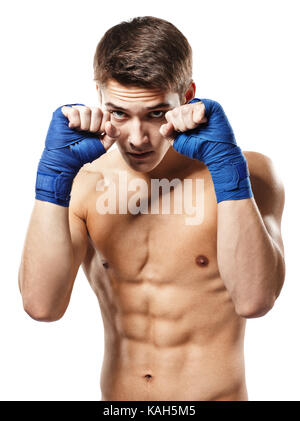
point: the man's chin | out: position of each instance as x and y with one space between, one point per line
141 164
143 167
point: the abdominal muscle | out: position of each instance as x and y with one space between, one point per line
168 339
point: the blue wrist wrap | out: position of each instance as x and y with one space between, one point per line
214 144
66 151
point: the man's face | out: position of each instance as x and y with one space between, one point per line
138 113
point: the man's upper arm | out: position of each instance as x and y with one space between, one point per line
268 192
77 215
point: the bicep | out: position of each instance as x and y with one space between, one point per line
77 224
79 238
268 192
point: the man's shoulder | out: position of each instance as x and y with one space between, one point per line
257 161
262 167
266 182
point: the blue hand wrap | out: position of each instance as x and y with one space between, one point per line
214 144
66 151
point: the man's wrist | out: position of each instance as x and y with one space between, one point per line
54 188
45 198
230 173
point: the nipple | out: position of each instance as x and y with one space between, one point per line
201 260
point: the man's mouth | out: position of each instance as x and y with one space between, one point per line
140 155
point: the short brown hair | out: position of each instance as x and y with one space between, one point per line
146 52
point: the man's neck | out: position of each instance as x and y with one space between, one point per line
171 164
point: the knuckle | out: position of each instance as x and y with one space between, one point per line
95 119
185 110
199 110
105 117
168 115
74 112
86 111
199 106
96 111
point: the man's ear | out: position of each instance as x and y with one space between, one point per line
190 93
99 93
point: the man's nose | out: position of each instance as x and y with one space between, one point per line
138 136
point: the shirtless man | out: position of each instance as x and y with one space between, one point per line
174 295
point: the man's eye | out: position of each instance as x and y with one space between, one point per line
118 114
157 114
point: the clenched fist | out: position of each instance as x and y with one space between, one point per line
93 120
183 118
77 135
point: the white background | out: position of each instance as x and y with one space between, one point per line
246 57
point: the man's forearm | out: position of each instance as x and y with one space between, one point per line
250 262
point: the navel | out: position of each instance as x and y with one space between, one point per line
201 260
148 377
105 265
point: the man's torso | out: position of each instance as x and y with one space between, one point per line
171 331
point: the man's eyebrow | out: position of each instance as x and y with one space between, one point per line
161 105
